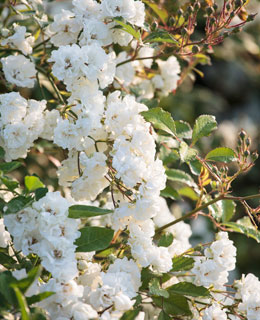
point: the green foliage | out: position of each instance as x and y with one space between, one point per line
165 240
18 203
82 211
175 305
171 193
183 129
94 239
160 35
189 289
127 27
221 154
180 176
160 119
203 127
182 263
156 290
228 209
9 166
131 314
32 183
187 154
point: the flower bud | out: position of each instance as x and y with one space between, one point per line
246 153
195 49
154 26
254 156
209 11
196 6
242 134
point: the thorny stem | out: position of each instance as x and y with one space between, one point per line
205 205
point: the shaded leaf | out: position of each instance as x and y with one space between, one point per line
131 314
180 176
169 192
22 304
127 27
175 305
161 12
228 209
160 36
195 167
6 280
94 239
182 264
165 240
160 119
189 289
156 290
2 153
9 166
203 127
17 204
187 154
82 211
9 183
245 227
39 297
183 129
40 193
222 154
163 316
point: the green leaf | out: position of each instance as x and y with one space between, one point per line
22 304
17 204
131 314
160 119
9 166
6 280
146 276
195 167
183 129
2 152
182 264
222 154
6 260
40 193
127 27
39 297
189 289
32 183
9 183
25 283
186 153
161 12
82 211
180 176
189 193
228 209
160 36
94 239
165 240
156 290
245 227
203 127
163 316
169 192
175 305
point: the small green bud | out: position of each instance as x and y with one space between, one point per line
228 6
215 6
242 134
225 34
184 31
232 14
172 21
128 193
196 6
190 9
236 30
180 12
215 169
239 142
209 11
246 153
254 156
238 3
154 26
195 49
251 17
212 21
248 141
